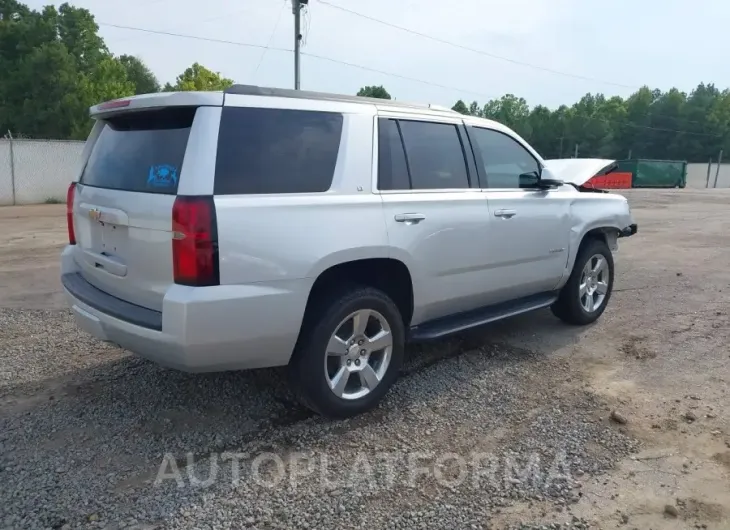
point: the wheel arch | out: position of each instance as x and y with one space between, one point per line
388 274
603 231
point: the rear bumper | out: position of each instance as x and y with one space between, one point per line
200 329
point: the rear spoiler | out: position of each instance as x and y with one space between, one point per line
156 100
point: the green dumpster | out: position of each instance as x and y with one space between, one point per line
656 173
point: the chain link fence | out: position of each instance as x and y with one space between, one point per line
37 171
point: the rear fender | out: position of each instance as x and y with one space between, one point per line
345 256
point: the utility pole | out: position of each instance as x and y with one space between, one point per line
297 11
576 151
561 148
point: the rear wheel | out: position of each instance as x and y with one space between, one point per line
586 294
349 353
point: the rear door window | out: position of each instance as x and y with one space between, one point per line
392 166
276 151
140 151
435 155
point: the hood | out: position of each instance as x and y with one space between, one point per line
578 171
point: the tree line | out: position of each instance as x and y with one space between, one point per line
652 124
55 65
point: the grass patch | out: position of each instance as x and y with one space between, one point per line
53 200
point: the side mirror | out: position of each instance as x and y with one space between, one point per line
548 180
529 180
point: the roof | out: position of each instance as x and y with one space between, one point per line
253 90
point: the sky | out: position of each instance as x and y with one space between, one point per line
619 45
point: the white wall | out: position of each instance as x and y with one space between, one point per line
697 175
43 169
6 187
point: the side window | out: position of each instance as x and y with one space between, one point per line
276 151
435 155
503 157
392 167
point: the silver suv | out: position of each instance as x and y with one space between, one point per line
266 227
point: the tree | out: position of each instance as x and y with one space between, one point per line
460 107
475 110
545 131
142 77
55 66
649 123
510 110
79 33
50 105
374 92
198 77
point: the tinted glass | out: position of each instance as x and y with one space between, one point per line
504 158
435 156
276 151
392 168
142 151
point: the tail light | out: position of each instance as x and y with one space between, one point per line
195 241
70 213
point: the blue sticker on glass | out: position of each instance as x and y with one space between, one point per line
162 176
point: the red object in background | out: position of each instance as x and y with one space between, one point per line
612 181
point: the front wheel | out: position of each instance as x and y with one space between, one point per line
350 352
586 294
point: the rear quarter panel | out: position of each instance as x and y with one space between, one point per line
264 238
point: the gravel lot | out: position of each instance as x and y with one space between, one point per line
506 428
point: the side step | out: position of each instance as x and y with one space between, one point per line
441 327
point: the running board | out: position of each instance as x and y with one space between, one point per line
441 327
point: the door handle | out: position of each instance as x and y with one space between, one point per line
409 218
505 214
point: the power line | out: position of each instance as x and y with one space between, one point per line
399 76
197 23
268 43
492 55
275 48
184 36
474 50
647 127
368 69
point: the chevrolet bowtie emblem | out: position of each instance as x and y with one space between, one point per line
95 214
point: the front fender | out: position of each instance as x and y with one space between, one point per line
609 213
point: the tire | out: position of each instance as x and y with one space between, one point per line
570 306
313 370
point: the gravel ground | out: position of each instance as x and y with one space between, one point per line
505 428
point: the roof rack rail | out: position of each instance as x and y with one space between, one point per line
253 90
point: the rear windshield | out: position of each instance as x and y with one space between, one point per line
142 151
276 151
